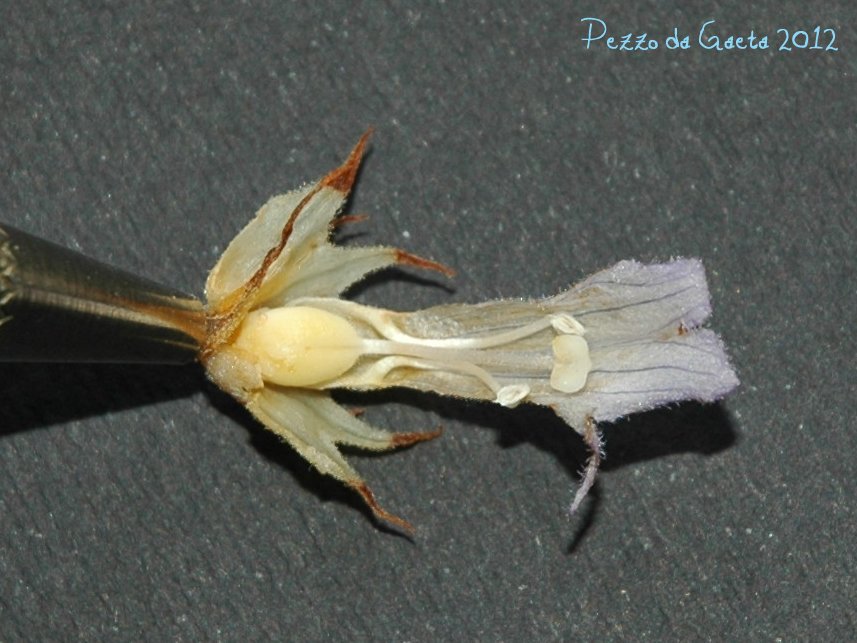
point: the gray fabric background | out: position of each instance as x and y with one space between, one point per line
141 503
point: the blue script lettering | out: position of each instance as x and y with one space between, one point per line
589 37
674 42
628 42
709 40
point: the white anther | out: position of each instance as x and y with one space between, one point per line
510 395
566 324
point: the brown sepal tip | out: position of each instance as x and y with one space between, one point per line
406 439
408 259
345 219
343 177
386 516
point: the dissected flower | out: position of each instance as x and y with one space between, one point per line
279 338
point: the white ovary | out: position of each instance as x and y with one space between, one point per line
298 345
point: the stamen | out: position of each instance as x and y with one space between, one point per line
379 371
487 341
380 322
400 354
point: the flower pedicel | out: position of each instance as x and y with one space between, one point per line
279 338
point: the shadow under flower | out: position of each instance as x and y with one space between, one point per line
38 395
688 427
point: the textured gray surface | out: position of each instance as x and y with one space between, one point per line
141 503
